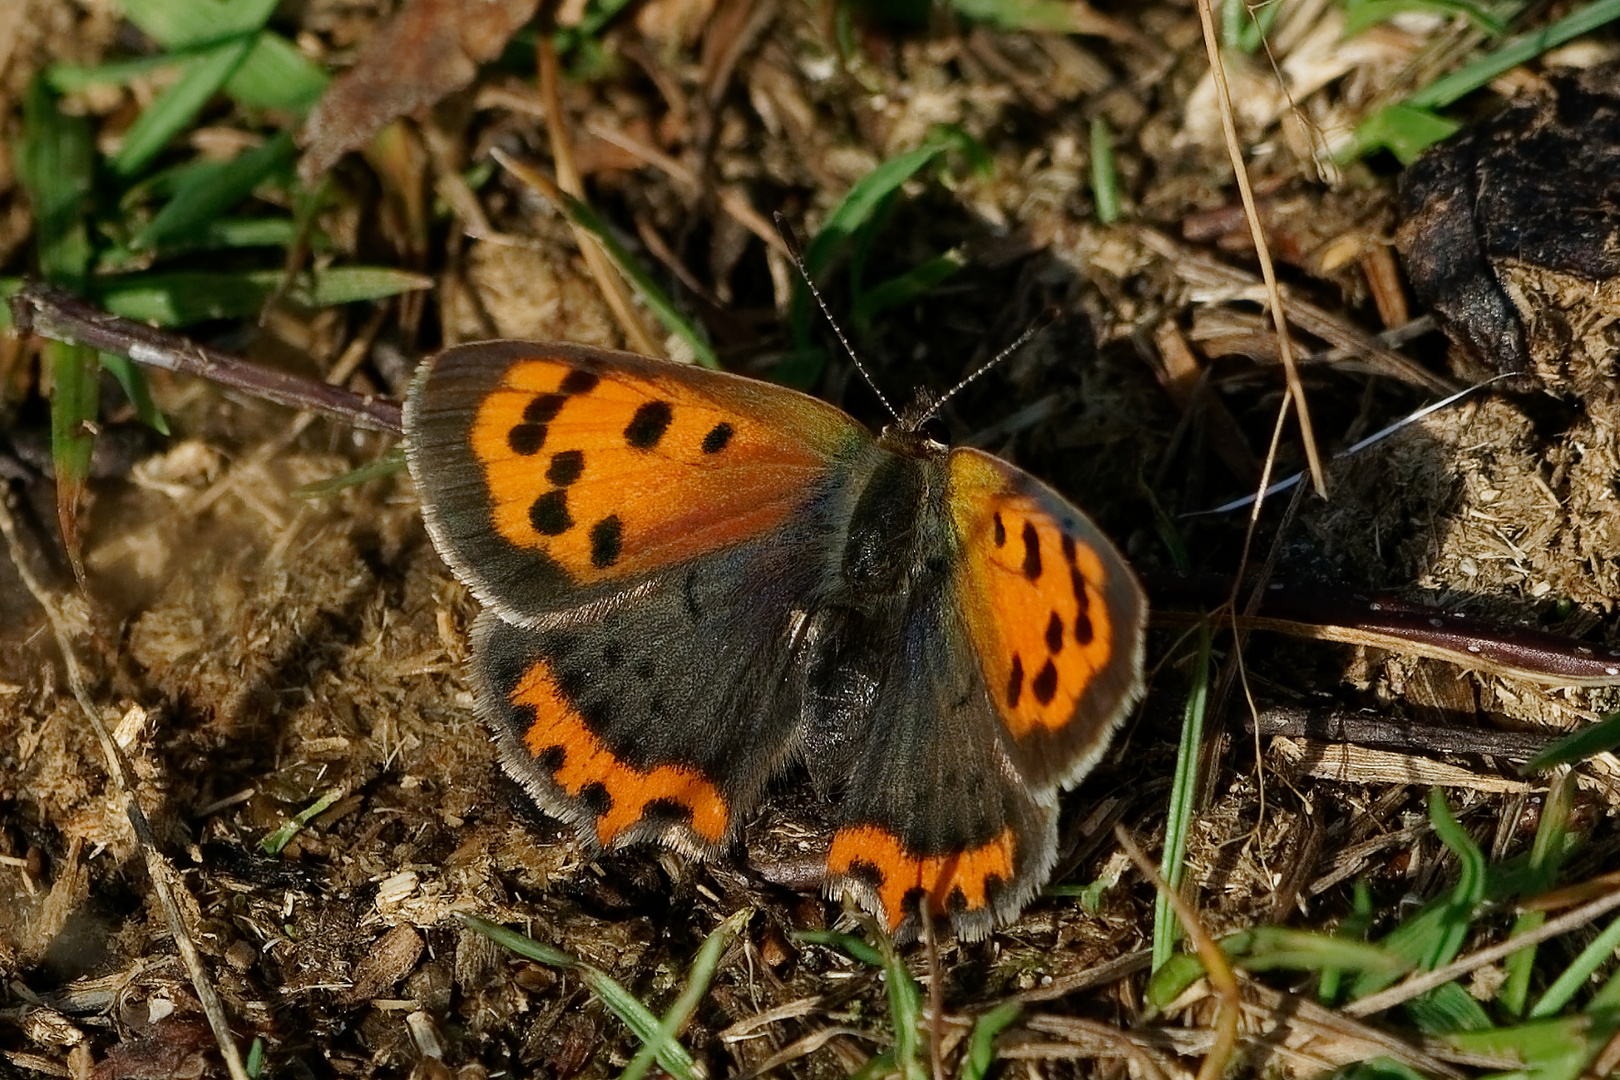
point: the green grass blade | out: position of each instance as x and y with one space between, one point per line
390 464
1470 889
1599 951
182 24
1403 130
981 1049
1579 745
861 202
848 944
136 389
905 1011
55 163
1183 792
272 844
276 75
903 289
205 195
697 985
71 78
178 106
1546 856
641 281
1271 948
1037 16
1550 1049
1353 927
1104 177
1362 15
1407 128
182 298
1446 1010
1517 51
620 1002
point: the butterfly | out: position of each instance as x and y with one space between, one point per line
693 581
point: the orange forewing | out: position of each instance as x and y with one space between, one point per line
1047 601
621 472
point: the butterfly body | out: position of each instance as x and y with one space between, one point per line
693 581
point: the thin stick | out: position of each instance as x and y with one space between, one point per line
1428 980
568 179
1221 975
157 867
1279 319
48 311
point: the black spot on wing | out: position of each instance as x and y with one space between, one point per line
1000 529
1032 552
717 438
565 467
543 409
647 426
1054 634
549 514
1015 682
526 439
606 537
579 382
1044 685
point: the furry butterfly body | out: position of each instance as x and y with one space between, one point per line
694 580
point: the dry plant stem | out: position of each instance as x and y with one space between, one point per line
1279 318
1221 976
157 867
607 278
50 312
936 996
1428 980
730 199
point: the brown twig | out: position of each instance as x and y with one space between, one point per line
50 312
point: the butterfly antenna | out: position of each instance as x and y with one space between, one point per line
797 255
1046 319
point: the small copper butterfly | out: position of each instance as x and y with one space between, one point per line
693 580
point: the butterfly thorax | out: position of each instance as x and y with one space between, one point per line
886 545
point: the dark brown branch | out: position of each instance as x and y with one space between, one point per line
48 311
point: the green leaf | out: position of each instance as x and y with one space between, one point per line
861 201
1269 948
1404 130
276 841
1379 1068
75 400
181 298
1551 1049
1546 856
1361 15
206 194
178 106
845 943
1589 741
